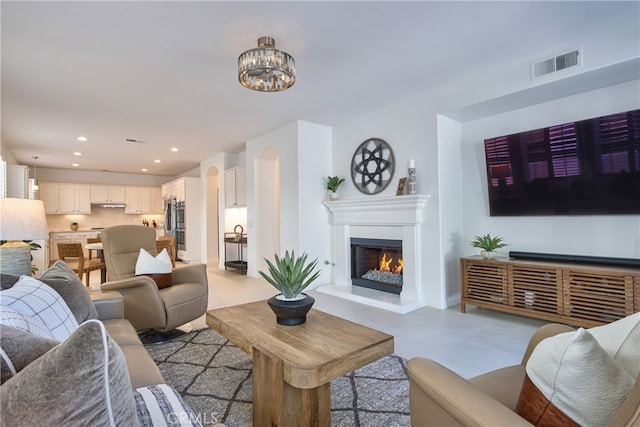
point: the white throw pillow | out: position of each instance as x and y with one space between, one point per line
576 375
34 299
621 340
148 264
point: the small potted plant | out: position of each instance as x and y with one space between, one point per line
74 226
333 183
291 275
488 245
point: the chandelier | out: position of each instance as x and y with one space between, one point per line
266 68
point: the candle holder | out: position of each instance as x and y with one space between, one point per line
411 182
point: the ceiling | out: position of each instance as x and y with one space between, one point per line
166 72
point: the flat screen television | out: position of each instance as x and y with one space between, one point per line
588 167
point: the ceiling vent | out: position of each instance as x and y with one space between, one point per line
557 63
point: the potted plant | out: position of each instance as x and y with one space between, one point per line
74 226
291 275
333 183
488 245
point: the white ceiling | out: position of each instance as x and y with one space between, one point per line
166 72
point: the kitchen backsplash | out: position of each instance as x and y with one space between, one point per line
100 217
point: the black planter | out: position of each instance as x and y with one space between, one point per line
291 313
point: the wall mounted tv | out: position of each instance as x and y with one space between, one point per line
588 167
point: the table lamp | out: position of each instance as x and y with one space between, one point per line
20 219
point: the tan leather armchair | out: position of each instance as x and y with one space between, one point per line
440 397
146 306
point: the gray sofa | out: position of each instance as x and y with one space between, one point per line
86 366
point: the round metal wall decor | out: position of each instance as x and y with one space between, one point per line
372 166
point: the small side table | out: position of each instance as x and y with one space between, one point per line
238 263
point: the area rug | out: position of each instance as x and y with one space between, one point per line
214 378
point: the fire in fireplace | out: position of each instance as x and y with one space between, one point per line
377 264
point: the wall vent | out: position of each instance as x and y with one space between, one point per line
556 63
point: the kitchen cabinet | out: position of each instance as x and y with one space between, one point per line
138 200
68 237
107 194
143 200
65 198
236 187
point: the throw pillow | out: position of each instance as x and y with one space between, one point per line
158 267
34 299
10 317
67 283
162 405
576 380
18 348
621 340
84 381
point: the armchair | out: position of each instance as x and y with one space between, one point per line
146 306
439 397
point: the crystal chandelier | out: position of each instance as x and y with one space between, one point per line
266 68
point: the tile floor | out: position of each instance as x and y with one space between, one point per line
468 343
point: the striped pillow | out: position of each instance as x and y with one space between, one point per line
161 405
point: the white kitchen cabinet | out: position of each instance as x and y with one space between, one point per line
107 194
236 187
68 237
65 198
143 200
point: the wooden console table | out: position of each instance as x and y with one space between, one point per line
294 365
576 294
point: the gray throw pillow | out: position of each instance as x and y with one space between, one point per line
19 348
67 283
69 385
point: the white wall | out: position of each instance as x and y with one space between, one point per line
443 130
300 156
613 235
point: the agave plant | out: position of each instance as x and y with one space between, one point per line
290 274
488 243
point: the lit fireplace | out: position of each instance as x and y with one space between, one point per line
377 264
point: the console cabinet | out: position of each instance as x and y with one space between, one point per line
577 294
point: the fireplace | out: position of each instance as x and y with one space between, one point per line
377 264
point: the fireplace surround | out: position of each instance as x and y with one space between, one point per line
388 218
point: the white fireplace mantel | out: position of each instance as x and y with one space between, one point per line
396 217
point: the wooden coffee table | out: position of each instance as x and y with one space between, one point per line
294 365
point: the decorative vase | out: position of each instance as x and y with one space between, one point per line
333 195
488 254
74 227
291 312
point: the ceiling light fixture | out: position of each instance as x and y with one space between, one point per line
157 161
174 149
77 153
266 68
33 182
75 165
82 138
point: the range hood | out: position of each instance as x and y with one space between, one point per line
108 205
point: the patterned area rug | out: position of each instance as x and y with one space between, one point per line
214 378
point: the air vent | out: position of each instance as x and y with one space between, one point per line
135 140
556 63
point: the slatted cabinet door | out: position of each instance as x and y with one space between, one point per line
536 288
484 282
597 298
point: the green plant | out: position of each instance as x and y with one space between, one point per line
290 274
333 182
488 243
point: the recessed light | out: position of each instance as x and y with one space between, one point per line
77 153
157 161
75 165
144 169
82 138
174 149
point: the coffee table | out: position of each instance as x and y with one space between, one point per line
294 365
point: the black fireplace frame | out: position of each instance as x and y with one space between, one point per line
381 244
